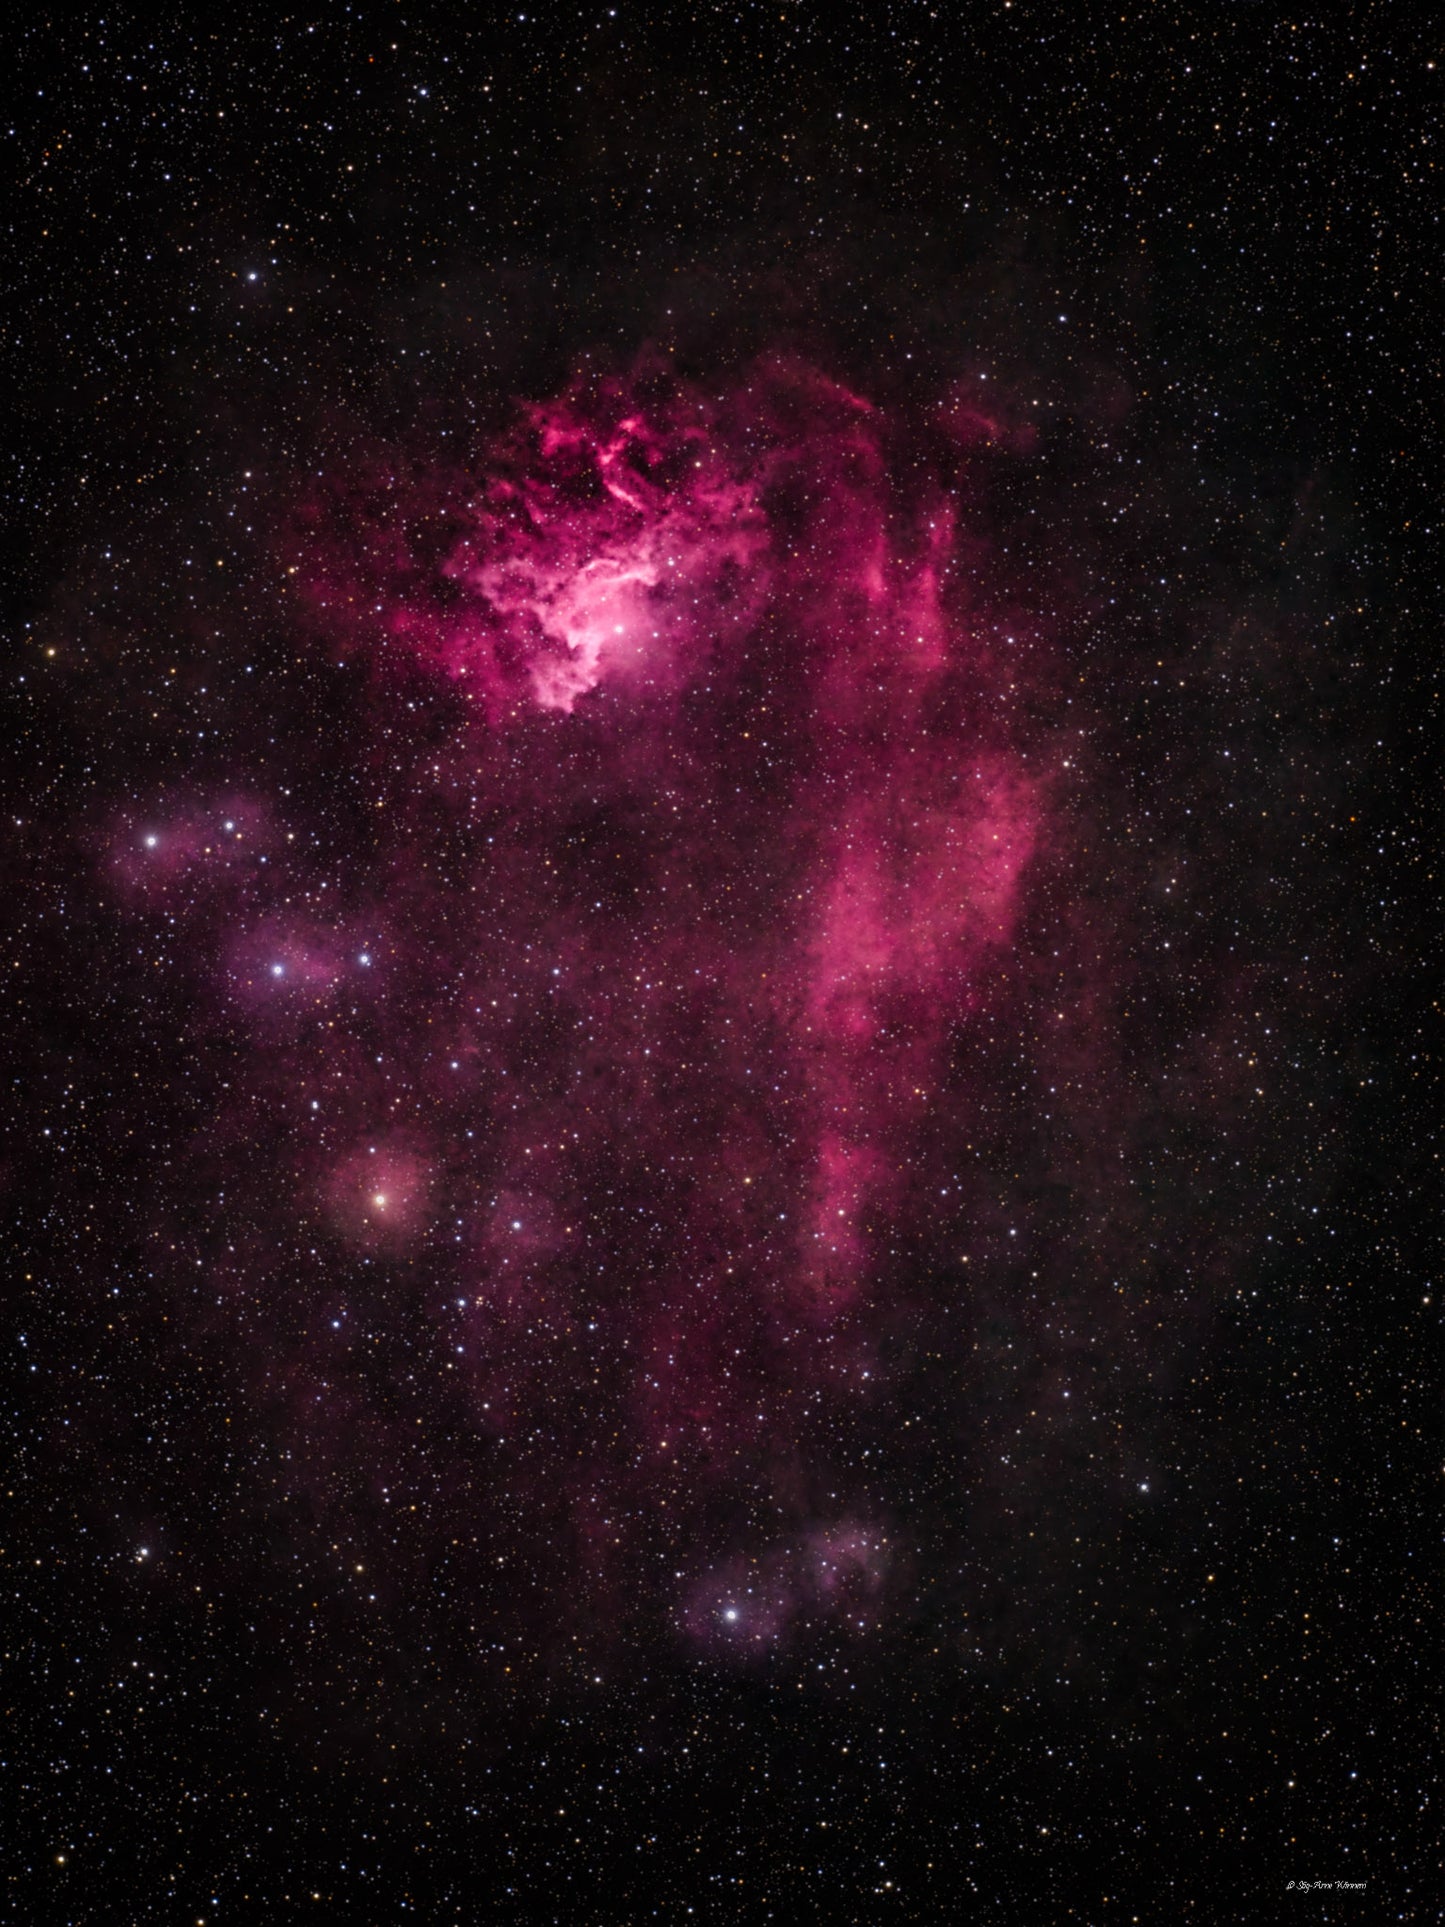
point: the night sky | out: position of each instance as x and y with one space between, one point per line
718 828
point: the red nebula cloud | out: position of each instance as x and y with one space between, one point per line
745 1608
210 846
377 1194
741 826
277 960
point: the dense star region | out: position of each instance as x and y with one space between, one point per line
711 905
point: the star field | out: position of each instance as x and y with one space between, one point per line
717 832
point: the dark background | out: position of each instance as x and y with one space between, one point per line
261 242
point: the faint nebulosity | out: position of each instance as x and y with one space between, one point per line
715 991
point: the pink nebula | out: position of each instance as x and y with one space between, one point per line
177 852
376 1194
834 1577
747 822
